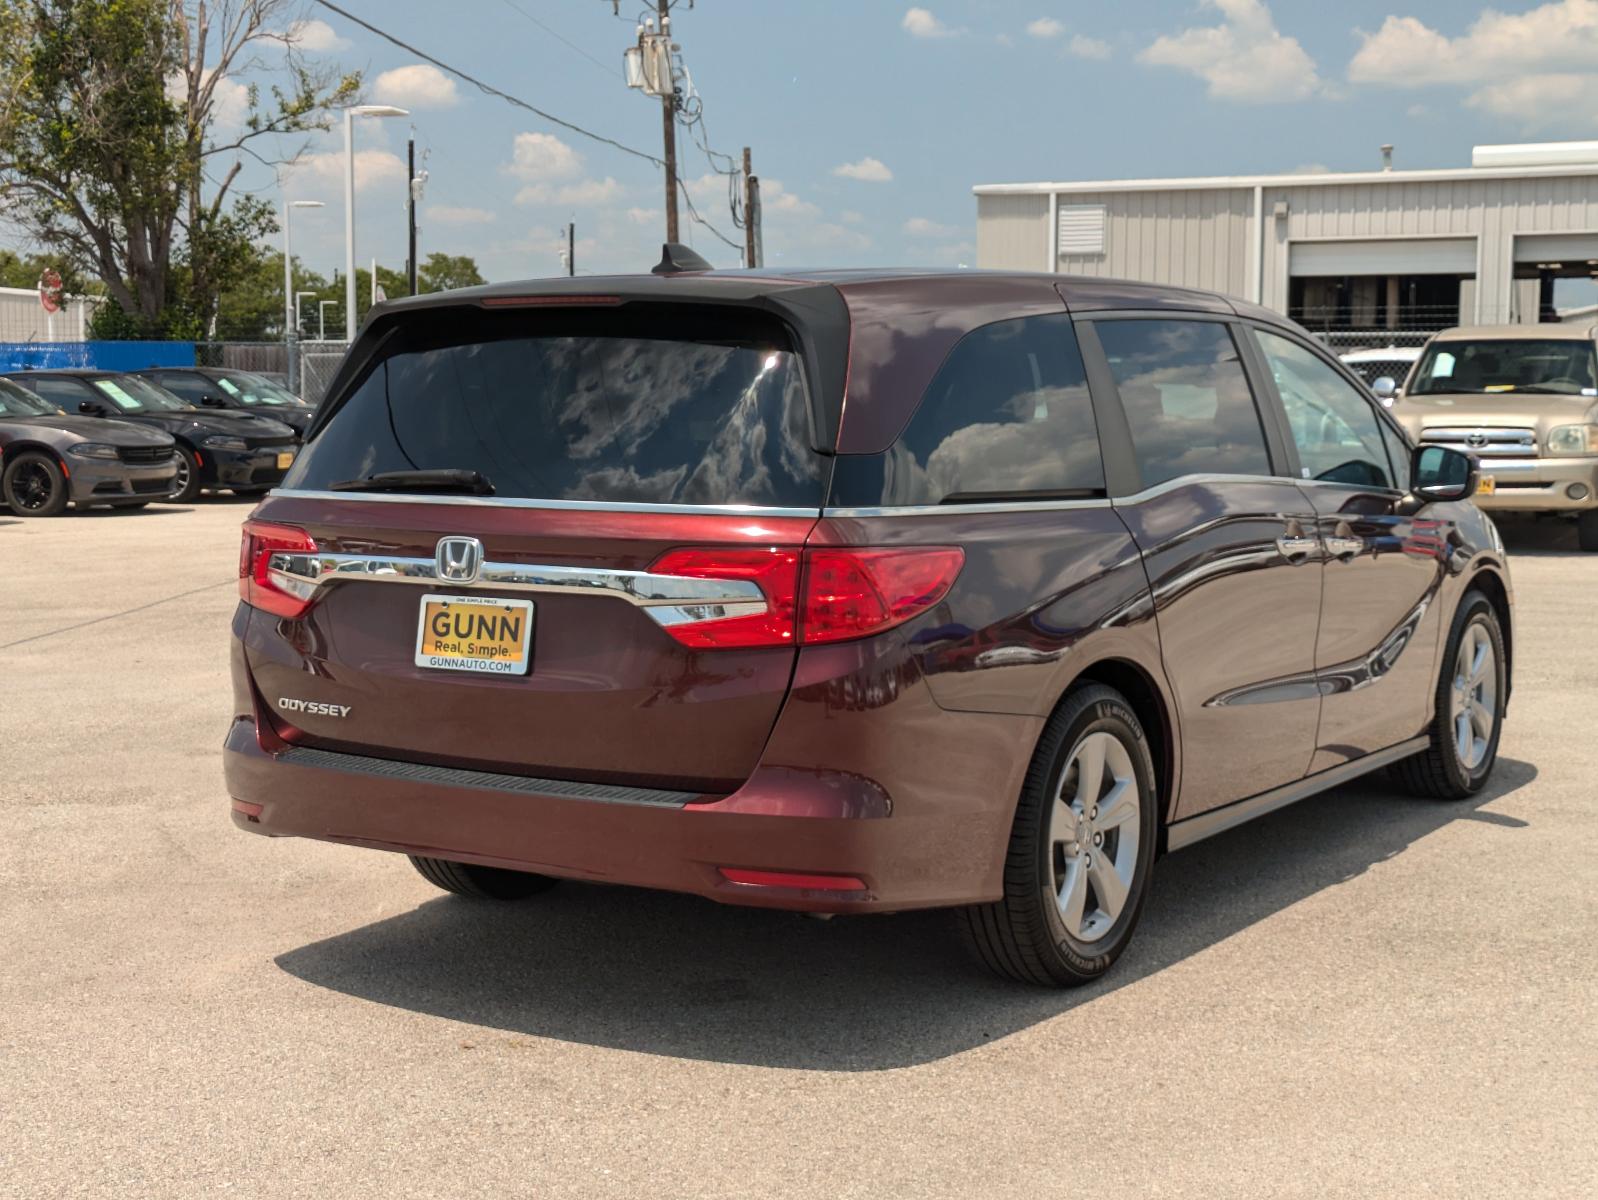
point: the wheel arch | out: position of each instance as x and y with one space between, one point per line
1153 710
1491 584
12 449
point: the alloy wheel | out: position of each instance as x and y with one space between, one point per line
31 486
1474 702
180 481
1093 836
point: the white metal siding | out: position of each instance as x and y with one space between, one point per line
1385 256
1013 232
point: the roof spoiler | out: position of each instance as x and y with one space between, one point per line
675 258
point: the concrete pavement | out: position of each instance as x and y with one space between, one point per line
1364 994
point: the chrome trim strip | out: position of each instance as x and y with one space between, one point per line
1196 829
733 510
951 510
669 599
406 772
1182 481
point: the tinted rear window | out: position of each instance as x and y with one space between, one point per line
1007 417
683 407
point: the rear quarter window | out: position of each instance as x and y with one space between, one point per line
686 408
1006 417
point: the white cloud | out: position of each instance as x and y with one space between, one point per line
1534 102
314 36
1312 168
541 157
582 192
1081 46
1243 58
1045 27
1406 52
775 198
643 216
419 85
456 214
867 170
230 99
922 227
919 22
849 217
372 168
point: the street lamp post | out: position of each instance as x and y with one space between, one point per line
356 110
321 319
290 332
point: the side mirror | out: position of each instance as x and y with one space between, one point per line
213 401
90 409
1438 473
1384 389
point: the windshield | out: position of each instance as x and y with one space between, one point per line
1538 366
251 390
132 394
581 407
19 402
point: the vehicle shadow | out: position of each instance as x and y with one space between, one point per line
164 510
681 976
1526 536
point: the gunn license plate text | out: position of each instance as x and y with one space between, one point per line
471 633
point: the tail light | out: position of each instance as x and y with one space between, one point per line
266 589
820 594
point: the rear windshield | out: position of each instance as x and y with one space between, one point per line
610 406
1535 366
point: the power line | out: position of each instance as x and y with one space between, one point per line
488 88
608 70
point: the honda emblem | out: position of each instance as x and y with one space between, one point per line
458 559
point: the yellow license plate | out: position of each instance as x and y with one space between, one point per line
474 633
285 460
1486 486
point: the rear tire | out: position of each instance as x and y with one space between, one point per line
33 486
480 883
1587 530
186 483
1081 850
1470 698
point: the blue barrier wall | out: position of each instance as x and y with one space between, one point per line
106 356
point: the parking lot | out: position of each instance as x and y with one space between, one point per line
1363 993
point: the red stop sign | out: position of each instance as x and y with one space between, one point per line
50 289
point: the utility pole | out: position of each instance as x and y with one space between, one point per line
668 121
571 248
410 211
749 211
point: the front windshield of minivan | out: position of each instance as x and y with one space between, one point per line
132 394
1527 366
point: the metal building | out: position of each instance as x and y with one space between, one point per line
1513 238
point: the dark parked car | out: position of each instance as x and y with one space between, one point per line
48 458
239 451
243 391
853 592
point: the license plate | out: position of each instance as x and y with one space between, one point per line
474 633
1486 486
285 460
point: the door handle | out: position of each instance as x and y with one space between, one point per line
1295 544
1342 543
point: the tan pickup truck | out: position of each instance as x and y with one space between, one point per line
1524 400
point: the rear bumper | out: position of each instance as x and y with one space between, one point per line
780 820
1541 484
244 468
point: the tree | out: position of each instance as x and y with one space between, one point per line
442 272
109 152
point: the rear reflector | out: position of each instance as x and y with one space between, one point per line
820 594
793 879
259 585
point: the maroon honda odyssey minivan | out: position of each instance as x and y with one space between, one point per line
853 592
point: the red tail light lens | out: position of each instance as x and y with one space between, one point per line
825 594
260 586
774 570
854 593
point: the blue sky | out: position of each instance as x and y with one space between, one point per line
871 119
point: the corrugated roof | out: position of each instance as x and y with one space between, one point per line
1330 179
